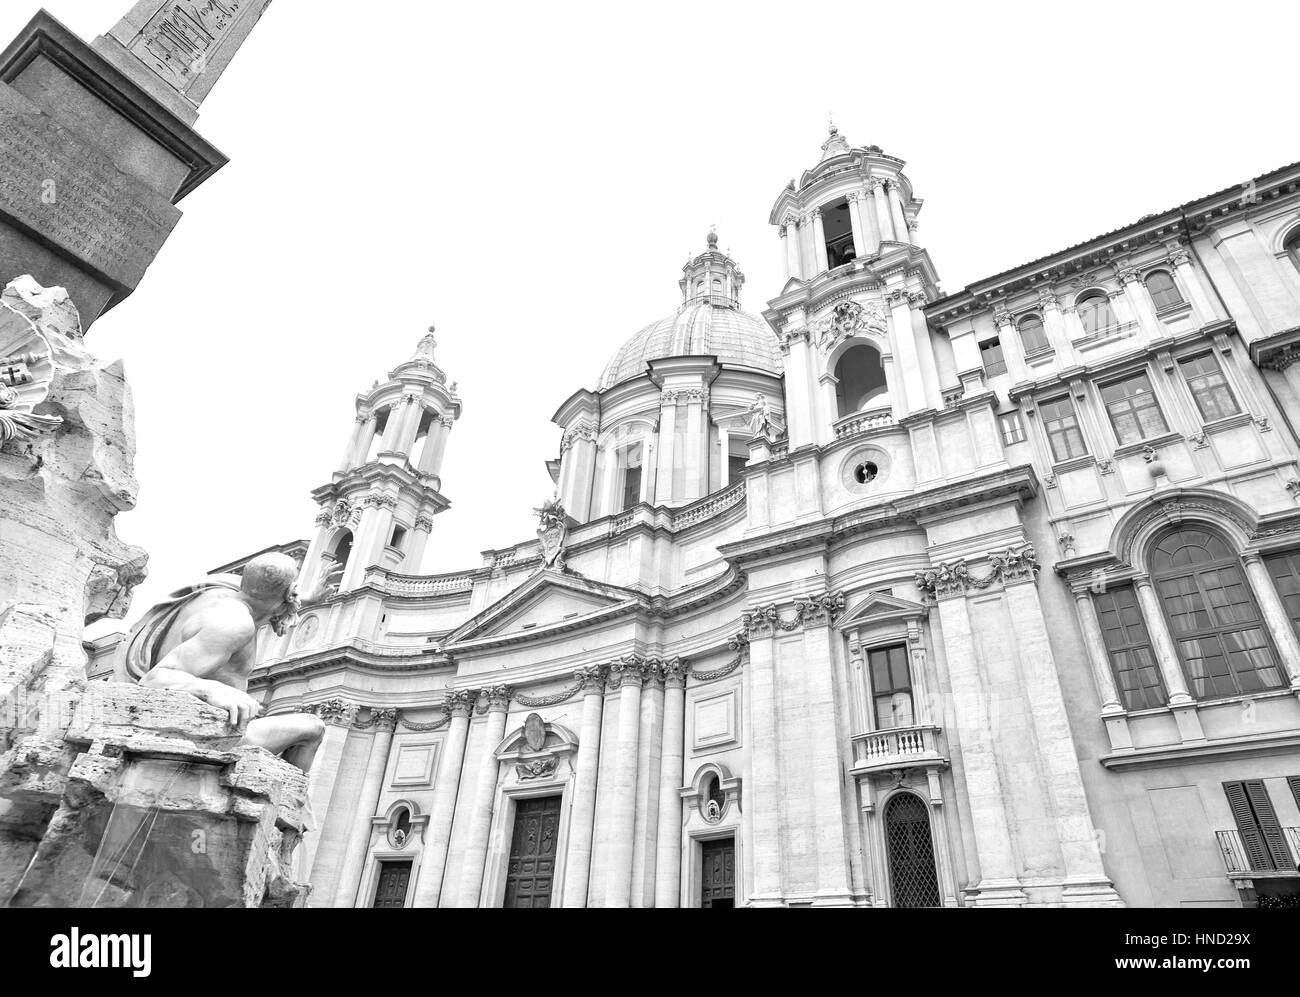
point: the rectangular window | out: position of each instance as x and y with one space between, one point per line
1209 387
1261 835
1133 409
632 477
399 534
991 357
891 686
1128 645
1013 431
1062 428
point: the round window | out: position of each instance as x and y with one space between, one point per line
866 472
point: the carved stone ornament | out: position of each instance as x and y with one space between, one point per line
954 578
342 512
760 415
25 375
850 318
817 610
535 732
539 769
552 529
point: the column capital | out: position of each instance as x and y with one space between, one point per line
917 299
1128 275
1001 317
898 296
336 711
591 679
1179 257
423 523
498 698
381 717
674 672
874 184
781 230
1251 557
629 670
653 673
460 702
1047 298
324 518
851 196
815 213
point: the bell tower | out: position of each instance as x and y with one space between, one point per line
850 316
378 508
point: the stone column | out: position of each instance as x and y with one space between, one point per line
1139 300
363 808
925 351
625 676
819 241
1275 615
361 433
1112 707
668 863
417 541
883 217
787 267
409 424
1180 699
577 863
667 447
1181 260
896 211
696 472
1054 328
1012 348
832 849
459 703
369 540
578 454
649 757
435 446
904 349
801 406
480 814
338 716
764 803
1086 882
999 884
861 247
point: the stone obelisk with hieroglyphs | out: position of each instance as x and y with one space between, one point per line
97 143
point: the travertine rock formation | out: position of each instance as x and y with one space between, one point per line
63 564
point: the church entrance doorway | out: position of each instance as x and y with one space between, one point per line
911 853
532 852
394 878
718 873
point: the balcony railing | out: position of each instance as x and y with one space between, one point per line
860 422
1240 861
898 748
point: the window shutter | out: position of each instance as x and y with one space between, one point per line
1294 782
1268 824
1251 839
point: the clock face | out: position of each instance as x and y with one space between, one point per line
307 630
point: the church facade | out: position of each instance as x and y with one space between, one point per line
886 598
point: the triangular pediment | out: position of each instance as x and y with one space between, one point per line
877 607
548 600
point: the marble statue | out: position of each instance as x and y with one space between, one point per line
761 417
203 640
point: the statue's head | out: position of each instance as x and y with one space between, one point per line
269 581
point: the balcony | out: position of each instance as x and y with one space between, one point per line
1260 862
897 748
861 422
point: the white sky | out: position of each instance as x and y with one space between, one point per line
531 177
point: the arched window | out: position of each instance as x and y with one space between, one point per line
714 798
1096 314
342 548
860 379
1032 333
1293 247
1221 638
400 827
1164 292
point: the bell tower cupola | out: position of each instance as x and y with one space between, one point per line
378 509
712 278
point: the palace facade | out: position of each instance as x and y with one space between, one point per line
885 597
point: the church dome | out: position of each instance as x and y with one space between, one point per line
708 323
736 338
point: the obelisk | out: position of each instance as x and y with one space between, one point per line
97 143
